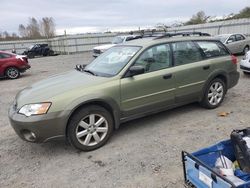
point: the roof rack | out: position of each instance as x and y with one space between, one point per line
182 34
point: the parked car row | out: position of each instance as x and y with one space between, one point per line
38 50
236 43
11 64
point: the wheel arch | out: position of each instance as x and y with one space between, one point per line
221 75
111 107
9 66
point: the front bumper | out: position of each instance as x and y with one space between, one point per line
245 65
44 127
24 68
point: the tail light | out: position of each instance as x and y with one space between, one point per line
234 59
22 58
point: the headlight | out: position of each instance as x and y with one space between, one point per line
35 109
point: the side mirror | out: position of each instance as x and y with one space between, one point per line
135 70
229 41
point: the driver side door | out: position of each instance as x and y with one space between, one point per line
154 89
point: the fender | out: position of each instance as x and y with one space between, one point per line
95 98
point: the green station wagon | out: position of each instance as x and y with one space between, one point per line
128 81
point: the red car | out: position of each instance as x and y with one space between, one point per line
11 65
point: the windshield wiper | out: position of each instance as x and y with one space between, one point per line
89 71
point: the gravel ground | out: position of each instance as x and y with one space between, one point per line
142 153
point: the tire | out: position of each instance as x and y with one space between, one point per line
84 134
246 73
245 50
214 97
12 73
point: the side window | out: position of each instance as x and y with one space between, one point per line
239 37
3 56
186 52
231 39
155 58
129 38
212 49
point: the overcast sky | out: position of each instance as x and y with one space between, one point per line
78 16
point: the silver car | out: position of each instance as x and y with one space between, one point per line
236 43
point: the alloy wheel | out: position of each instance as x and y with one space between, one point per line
12 73
215 93
92 129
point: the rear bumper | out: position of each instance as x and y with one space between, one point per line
24 68
233 79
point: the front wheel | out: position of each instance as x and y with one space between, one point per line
214 94
90 128
12 73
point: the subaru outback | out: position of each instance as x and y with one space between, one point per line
128 81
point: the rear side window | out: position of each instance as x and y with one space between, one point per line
186 52
239 37
3 56
212 49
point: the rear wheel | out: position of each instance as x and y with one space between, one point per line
12 73
90 128
214 94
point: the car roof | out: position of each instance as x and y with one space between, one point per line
5 52
149 41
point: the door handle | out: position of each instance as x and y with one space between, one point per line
167 76
206 67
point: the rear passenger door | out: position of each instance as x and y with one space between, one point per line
192 70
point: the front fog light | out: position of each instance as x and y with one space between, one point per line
35 109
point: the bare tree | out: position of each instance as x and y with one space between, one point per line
6 35
32 29
47 27
22 30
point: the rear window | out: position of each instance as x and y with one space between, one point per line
212 49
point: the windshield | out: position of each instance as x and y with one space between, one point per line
222 38
117 40
112 61
31 47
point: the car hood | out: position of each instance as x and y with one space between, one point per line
45 90
104 47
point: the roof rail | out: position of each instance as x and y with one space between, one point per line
182 34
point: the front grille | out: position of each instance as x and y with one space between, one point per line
97 51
